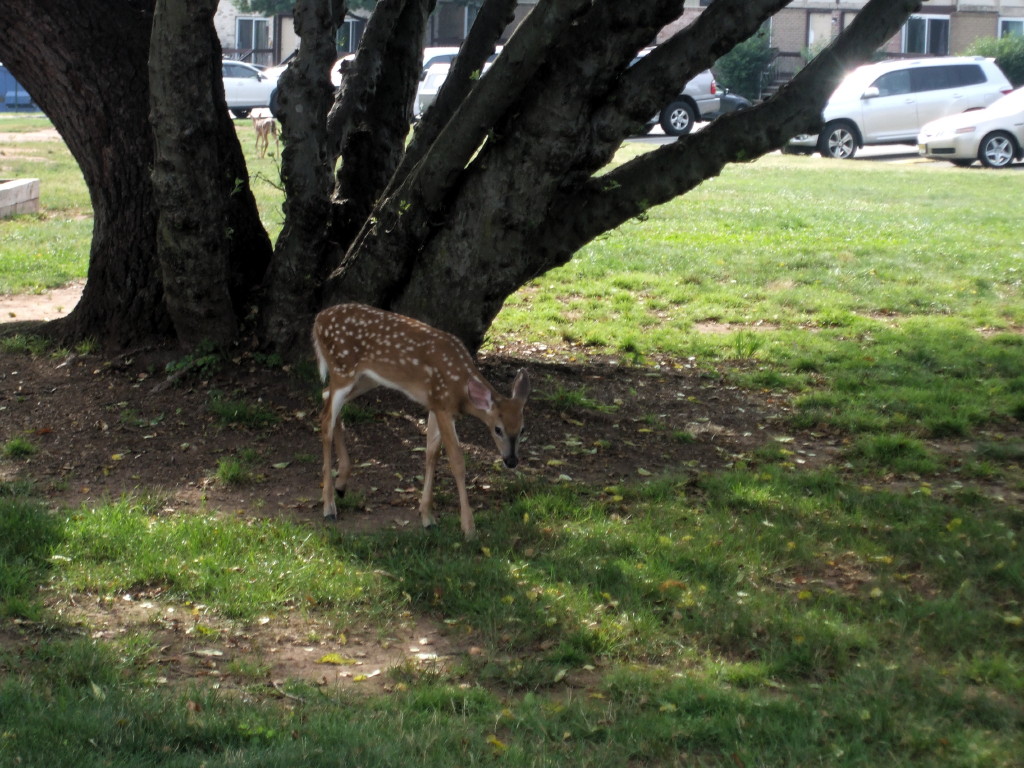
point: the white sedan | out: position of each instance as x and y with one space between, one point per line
994 135
247 88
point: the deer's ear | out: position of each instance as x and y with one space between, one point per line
479 395
521 386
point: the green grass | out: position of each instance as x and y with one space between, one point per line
51 248
770 615
239 412
867 614
18 448
881 309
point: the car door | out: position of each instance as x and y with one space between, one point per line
889 108
939 92
241 85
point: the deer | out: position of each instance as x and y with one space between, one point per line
265 127
359 348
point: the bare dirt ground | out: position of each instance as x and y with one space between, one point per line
110 426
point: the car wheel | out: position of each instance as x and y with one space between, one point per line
241 114
677 118
838 141
997 150
273 102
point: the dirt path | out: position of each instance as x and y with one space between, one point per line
40 306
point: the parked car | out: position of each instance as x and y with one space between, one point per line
729 102
994 135
336 68
696 103
247 88
438 55
888 102
431 80
437 63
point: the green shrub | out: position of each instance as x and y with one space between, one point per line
741 70
1008 53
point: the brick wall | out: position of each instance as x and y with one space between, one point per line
789 30
965 28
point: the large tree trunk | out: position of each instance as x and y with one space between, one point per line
501 186
94 85
85 64
191 195
307 169
366 124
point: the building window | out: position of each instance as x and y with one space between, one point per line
820 29
926 34
252 34
349 35
1009 27
450 22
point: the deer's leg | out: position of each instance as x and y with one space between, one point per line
332 435
344 463
433 451
446 426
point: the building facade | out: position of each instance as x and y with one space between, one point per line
796 32
940 29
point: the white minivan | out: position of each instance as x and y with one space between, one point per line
888 102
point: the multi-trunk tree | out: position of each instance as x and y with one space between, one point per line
503 179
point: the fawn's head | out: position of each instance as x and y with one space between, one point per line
503 416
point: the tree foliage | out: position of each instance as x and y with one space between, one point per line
742 69
1007 51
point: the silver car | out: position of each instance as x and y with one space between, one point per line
698 102
888 102
247 88
994 135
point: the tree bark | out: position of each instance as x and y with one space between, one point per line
85 64
192 184
306 95
372 119
480 44
510 187
93 84
473 229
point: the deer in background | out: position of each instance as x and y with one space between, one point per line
359 348
265 127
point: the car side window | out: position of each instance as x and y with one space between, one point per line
893 83
233 70
932 78
967 74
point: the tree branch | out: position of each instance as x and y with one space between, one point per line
307 170
606 201
382 255
511 73
360 81
492 20
645 87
